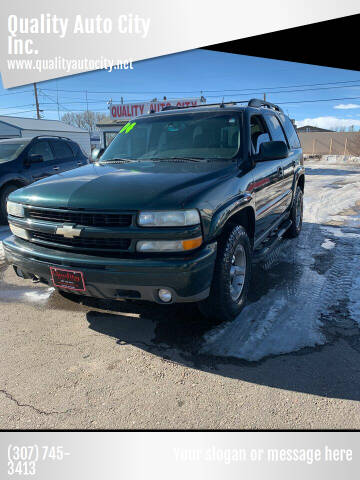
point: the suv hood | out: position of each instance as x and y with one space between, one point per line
129 186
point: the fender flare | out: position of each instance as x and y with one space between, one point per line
13 179
299 172
227 210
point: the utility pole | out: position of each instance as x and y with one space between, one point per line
57 100
37 102
264 97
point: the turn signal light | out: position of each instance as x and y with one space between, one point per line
192 243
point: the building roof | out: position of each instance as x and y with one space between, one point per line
311 128
35 124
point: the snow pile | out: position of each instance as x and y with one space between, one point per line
335 159
267 327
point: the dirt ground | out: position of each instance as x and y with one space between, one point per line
291 360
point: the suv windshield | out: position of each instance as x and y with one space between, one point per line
207 135
9 151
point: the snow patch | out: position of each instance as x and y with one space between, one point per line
265 328
328 244
339 233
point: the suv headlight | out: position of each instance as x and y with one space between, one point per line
15 209
176 218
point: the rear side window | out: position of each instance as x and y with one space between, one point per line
275 128
74 147
290 131
62 151
43 149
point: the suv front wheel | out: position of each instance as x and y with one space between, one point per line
231 277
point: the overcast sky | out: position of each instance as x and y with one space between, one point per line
314 95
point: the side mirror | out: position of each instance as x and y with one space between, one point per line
272 151
35 158
96 154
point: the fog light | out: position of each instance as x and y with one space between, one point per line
19 232
165 295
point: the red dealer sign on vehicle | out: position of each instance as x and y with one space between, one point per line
127 111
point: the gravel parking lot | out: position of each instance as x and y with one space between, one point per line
291 360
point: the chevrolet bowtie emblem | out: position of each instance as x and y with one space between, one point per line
68 231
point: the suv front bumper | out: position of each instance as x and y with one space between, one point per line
187 277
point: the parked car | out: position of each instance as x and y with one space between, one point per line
25 160
176 210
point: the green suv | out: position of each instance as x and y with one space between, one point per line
175 210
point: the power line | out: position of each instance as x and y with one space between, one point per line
212 91
279 103
22 111
15 93
319 100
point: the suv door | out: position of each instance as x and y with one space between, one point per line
43 169
285 182
64 155
295 153
267 178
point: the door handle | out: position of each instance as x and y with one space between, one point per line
79 163
56 168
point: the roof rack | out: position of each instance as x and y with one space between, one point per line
258 103
254 102
220 104
50 136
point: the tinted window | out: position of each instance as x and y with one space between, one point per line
62 151
276 131
290 131
258 132
42 148
73 146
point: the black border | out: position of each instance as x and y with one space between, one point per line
333 43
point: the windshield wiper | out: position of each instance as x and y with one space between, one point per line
186 159
117 160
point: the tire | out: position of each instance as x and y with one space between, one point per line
4 193
296 215
227 296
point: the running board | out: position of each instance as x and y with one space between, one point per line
261 253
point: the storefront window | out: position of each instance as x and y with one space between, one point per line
109 137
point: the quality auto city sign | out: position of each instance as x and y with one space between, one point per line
127 111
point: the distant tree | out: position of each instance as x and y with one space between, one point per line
86 120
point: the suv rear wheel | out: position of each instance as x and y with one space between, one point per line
231 277
4 193
296 215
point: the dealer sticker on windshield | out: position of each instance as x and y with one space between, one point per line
69 279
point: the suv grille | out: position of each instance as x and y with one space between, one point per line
91 243
79 218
